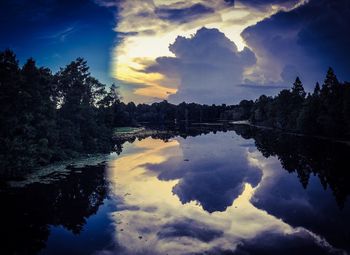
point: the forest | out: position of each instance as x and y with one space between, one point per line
47 117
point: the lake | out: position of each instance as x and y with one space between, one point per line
241 191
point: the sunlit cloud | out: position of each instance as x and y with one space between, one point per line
208 66
147 28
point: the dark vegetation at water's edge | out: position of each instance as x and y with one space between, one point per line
46 117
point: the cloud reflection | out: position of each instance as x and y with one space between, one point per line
152 219
213 176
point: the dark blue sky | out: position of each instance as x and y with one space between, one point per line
54 32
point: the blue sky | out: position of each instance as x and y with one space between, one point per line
55 32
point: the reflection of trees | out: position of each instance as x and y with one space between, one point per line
167 132
27 212
305 156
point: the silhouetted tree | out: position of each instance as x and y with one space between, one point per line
330 83
317 90
80 94
298 88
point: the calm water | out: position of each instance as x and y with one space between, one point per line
234 192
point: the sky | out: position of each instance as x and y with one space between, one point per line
204 51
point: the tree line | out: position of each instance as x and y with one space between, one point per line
325 112
46 116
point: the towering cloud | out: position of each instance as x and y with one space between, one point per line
208 65
211 62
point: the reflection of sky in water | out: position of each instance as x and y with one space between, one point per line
200 194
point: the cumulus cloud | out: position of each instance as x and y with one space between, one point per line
208 65
146 28
306 40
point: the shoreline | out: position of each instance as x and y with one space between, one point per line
247 123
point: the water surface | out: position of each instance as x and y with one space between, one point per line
236 192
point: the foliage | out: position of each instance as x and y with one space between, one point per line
325 112
47 117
